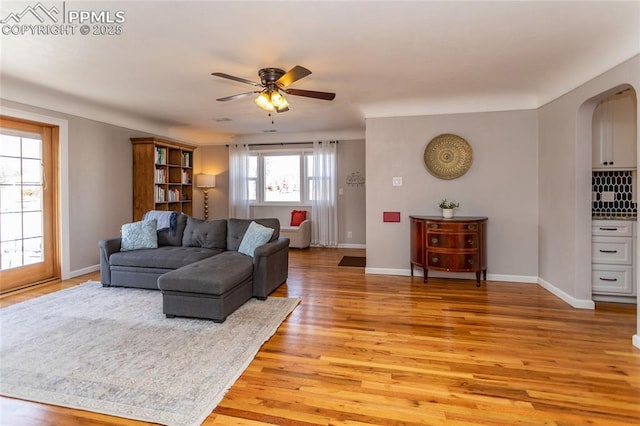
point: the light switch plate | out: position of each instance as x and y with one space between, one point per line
397 181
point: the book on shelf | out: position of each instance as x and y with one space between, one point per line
159 194
161 155
186 178
173 195
186 159
160 176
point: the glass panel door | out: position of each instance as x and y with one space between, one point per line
27 188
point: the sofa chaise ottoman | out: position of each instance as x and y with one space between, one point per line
212 288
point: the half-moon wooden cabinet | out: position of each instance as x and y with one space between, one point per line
457 244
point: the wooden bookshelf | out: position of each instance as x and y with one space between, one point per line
162 176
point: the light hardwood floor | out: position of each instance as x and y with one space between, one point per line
388 350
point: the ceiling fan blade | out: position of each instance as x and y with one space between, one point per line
238 96
294 74
234 78
311 94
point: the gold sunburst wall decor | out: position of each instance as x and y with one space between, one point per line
448 156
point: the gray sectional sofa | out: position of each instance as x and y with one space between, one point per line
198 267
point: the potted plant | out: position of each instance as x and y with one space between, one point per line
448 207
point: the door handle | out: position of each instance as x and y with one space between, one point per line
608 251
608 229
608 279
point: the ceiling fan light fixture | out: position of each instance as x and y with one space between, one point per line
278 99
284 105
264 101
275 84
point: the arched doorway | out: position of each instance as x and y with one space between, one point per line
584 159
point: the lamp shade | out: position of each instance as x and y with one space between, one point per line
264 101
205 181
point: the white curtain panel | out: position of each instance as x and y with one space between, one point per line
324 211
238 189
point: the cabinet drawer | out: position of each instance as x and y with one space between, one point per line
453 261
612 279
615 250
444 240
612 228
452 226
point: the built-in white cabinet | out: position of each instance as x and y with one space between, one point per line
613 265
614 132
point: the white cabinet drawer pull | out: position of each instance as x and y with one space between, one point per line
608 279
608 251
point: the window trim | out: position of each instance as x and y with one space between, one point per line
305 196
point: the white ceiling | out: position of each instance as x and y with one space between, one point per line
385 58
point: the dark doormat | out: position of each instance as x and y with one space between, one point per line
360 262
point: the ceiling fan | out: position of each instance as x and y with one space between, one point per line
273 85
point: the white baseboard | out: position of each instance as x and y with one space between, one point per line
353 246
576 303
437 274
513 278
636 340
83 271
388 271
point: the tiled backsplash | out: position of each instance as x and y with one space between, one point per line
620 183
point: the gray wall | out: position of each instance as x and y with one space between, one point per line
100 185
502 184
352 202
213 160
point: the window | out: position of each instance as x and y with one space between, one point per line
27 208
280 177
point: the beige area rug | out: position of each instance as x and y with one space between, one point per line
111 350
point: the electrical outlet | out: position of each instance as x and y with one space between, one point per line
349 234
396 181
608 196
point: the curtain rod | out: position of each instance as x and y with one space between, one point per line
279 143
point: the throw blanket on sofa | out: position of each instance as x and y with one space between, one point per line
166 220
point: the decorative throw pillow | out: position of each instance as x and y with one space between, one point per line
139 235
255 236
205 233
297 217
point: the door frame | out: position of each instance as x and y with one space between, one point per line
63 179
48 269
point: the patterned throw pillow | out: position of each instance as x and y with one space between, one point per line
255 236
297 217
139 235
